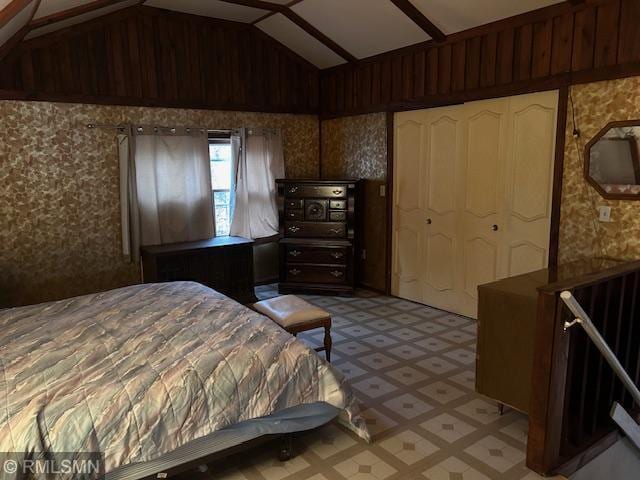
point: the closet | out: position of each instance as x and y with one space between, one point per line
472 197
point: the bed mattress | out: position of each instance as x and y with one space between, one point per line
139 372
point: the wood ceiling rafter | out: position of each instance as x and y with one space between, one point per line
410 10
20 34
298 20
73 12
11 10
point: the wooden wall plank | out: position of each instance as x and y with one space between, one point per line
629 49
489 59
523 50
584 33
562 44
506 43
148 56
458 64
570 42
541 55
606 47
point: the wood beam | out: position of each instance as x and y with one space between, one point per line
298 20
72 12
410 10
20 34
11 10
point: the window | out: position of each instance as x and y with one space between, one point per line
220 157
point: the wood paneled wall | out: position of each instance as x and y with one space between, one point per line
539 50
147 56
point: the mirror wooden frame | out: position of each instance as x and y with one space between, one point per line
587 159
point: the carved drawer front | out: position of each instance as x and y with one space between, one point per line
338 204
294 215
319 229
296 273
294 204
312 254
316 191
337 216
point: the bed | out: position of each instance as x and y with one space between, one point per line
157 375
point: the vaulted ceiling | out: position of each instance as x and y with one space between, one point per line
325 32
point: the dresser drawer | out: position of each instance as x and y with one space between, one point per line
315 229
337 216
314 254
338 204
294 204
316 191
294 214
297 273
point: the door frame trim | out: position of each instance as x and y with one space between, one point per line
390 119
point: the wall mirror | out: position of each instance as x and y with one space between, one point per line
612 161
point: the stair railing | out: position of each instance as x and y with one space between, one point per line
619 415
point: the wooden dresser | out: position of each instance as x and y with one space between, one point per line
320 225
222 263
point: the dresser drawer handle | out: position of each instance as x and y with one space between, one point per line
335 230
293 189
337 192
294 271
294 229
337 273
295 253
292 215
337 255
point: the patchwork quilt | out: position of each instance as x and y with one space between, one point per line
140 371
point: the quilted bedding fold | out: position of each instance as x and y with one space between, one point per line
139 371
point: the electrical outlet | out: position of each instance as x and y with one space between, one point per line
364 254
383 190
604 214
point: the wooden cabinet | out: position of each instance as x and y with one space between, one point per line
320 228
222 263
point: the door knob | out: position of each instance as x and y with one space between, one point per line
429 222
494 228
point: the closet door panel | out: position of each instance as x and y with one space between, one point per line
444 134
483 197
408 206
530 161
483 162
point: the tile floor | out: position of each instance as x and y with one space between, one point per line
412 368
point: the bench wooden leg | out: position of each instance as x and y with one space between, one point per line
327 343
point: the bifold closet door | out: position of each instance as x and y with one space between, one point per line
472 193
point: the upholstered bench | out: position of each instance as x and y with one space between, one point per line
295 315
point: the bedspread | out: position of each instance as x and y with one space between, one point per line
139 371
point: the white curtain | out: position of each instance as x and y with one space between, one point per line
170 199
259 163
129 214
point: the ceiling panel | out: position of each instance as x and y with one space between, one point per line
14 25
362 27
292 36
49 7
455 16
80 18
211 8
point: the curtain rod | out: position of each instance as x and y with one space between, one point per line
210 130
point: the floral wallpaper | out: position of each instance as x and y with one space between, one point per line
581 234
356 147
59 190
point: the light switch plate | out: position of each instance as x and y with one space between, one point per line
604 214
383 190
